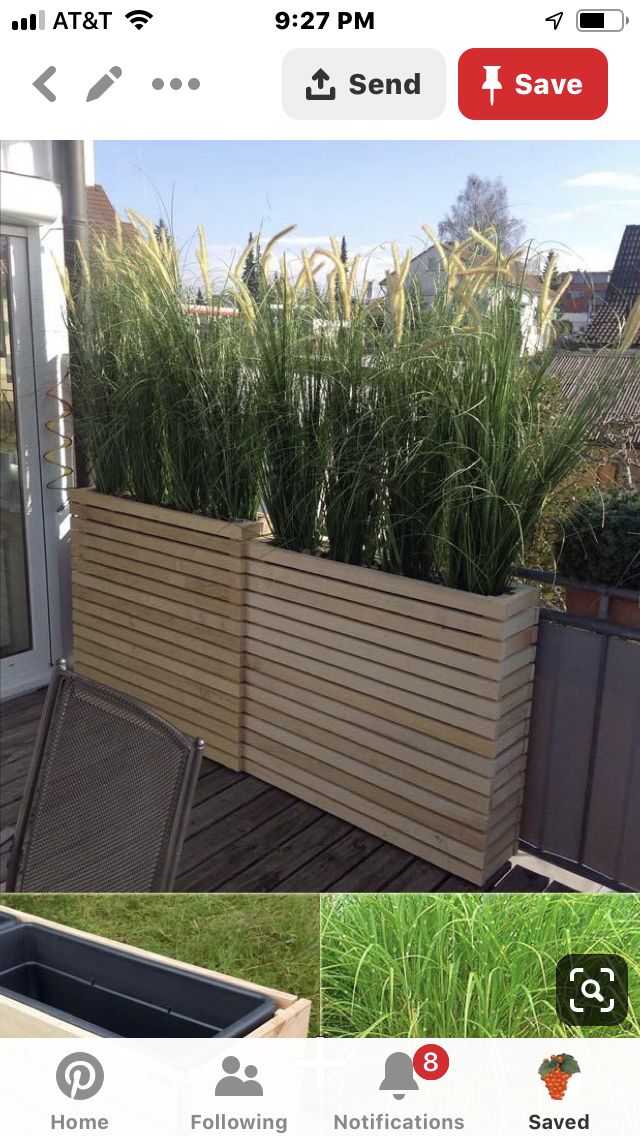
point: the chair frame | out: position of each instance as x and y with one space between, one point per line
165 871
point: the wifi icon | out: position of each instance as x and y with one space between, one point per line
139 18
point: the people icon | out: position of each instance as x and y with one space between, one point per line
233 1086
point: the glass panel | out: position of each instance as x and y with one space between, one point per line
15 613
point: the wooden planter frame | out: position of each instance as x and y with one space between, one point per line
402 707
291 1018
159 612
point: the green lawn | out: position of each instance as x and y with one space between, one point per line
466 965
269 939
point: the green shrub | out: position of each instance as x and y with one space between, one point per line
601 539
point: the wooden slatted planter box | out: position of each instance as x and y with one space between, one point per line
159 612
400 706
290 1017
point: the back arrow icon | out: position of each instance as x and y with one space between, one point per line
555 20
40 82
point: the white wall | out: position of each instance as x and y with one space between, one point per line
31 202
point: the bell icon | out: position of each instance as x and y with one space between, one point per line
398 1075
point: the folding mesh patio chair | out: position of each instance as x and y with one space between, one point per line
108 794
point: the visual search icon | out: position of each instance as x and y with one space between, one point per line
80 1076
592 990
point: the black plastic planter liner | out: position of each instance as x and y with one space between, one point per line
7 921
114 994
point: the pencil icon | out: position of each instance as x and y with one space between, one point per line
103 84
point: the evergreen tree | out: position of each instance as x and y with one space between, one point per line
251 273
161 231
200 300
556 278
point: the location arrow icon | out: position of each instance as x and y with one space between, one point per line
40 84
555 20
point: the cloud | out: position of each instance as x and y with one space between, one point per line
604 179
584 210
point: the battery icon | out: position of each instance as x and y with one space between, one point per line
601 20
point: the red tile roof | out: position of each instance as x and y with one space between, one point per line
102 215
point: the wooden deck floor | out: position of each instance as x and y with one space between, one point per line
245 835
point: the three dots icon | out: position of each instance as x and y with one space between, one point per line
175 84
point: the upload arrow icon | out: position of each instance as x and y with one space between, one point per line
320 77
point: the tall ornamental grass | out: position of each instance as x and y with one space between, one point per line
466 965
164 399
415 438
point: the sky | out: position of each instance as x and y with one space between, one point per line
574 197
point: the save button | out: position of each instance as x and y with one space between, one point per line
533 83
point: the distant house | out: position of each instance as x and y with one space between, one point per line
623 291
102 216
427 272
583 299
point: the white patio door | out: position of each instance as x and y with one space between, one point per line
25 651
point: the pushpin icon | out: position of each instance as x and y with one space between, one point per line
492 82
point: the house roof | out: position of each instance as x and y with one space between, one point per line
623 290
578 371
102 215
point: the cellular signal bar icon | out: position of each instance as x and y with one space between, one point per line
32 23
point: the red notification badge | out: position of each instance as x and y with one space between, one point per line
533 83
431 1062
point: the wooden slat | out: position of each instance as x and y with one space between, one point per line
223 567
86 570
408 617
161 698
474 743
385 679
457 800
327 703
96 593
245 530
149 565
434 813
470 646
456 780
223 680
382 663
194 694
160 530
153 635
126 587
266 553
